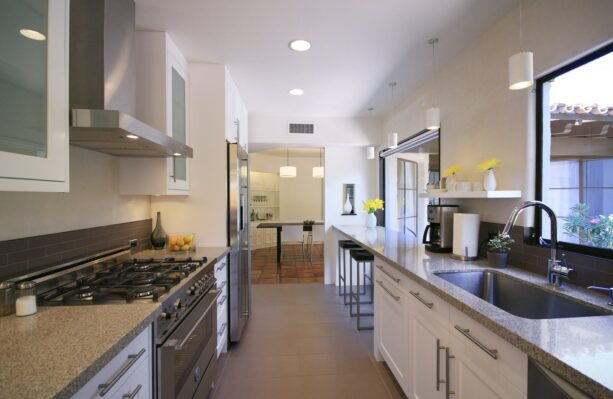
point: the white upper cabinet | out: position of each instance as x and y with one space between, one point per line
162 102
236 115
34 100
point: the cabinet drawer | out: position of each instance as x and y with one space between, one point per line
136 354
393 275
221 271
426 300
138 384
478 344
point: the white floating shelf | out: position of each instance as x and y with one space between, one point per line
474 194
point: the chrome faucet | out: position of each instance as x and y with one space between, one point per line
555 269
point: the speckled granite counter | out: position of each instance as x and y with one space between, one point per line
54 352
578 349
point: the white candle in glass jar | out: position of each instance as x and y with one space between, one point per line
25 305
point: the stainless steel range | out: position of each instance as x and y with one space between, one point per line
186 328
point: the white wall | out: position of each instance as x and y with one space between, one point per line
93 200
265 129
480 116
204 211
300 198
345 164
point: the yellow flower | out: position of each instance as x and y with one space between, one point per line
489 164
371 205
452 170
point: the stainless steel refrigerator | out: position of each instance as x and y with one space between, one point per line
238 240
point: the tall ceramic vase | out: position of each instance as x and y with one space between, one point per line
347 208
371 221
489 181
158 236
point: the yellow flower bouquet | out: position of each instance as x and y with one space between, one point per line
450 171
489 164
372 205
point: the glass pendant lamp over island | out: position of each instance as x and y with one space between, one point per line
433 114
287 171
318 171
521 72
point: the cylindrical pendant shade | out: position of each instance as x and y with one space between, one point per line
287 171
318 172
520 71
392 140
370 152
433 118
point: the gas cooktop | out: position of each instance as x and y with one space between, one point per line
134 280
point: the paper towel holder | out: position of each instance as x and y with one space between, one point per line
464 257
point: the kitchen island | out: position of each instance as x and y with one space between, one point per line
55 352
579 349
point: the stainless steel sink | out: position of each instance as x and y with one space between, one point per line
517 297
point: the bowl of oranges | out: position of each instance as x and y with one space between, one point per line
181 243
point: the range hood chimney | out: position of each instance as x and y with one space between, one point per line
103 84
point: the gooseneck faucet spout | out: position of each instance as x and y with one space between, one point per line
555 270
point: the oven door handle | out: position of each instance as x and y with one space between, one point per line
179 345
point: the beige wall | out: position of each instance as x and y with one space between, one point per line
300 198
480 117
93 200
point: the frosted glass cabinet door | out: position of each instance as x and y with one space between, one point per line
34 95
178 125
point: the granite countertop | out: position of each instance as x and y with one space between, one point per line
53 353
578 349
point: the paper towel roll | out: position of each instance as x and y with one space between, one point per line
466 235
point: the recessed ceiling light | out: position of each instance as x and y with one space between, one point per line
132 136
176 154
296 92
32 34
299 45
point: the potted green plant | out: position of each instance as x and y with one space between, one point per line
498 250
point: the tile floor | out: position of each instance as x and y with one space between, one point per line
293 268
300 343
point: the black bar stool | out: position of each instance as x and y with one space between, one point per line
344 246
363 258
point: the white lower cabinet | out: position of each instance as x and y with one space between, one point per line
128 375
391 327
221 275
437 352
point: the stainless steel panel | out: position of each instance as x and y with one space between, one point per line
233 200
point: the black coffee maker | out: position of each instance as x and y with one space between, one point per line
440 227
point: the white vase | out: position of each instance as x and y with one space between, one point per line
347 208
371 221
489 181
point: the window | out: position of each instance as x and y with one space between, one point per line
575 153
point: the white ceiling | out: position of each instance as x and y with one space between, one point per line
358 46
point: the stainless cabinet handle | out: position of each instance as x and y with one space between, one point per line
222 300
222 286
466 332
448 391
396 279
438 364
430 305
397 298
220 268
106 387
132 395
223 329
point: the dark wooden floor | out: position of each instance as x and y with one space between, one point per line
293 268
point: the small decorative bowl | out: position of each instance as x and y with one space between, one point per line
182 242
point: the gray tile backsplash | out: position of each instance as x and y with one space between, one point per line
26 255
590 270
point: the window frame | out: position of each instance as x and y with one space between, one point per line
567 246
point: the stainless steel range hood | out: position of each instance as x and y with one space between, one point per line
102 84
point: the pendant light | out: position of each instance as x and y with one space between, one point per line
287 171
433 114
370 150
521 69
392 138
318 171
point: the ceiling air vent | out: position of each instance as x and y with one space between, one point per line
301 128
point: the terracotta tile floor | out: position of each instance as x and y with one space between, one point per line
300 343
293 268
